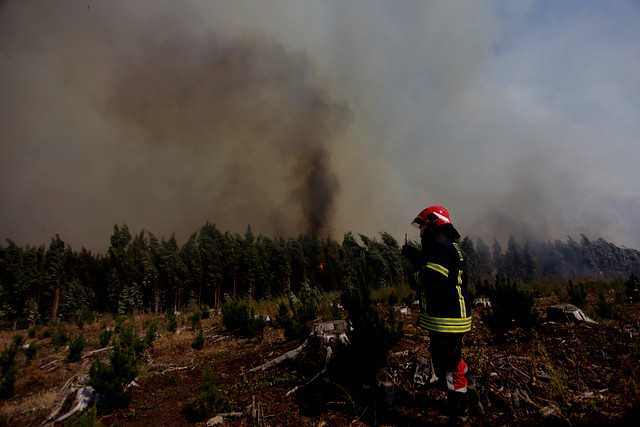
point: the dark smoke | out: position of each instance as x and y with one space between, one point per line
248 109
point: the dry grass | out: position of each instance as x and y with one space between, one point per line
37 401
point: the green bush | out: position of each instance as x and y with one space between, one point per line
577 294
129 339
60 337
75 349
204 312
8 367
110 380
372 337
393 299
172 322
212 398
410 298
632 285
150 335
85 418
604 308
211 401
195 320
198 340
105 337
241 320
285 320
296 319
511 307
30 352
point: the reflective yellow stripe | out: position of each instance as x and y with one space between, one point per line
463 308
459 251
438 268
416 276
439 324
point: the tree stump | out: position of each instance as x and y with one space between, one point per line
565 313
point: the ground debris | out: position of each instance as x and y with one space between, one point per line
75 397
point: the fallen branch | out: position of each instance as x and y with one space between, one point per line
100 350
175 368
50 363
292 354
324 369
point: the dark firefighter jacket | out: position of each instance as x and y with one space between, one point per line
441 283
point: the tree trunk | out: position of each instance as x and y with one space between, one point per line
235 282
56 299
155 294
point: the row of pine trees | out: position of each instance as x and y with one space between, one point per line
142 272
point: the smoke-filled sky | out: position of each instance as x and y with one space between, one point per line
521 117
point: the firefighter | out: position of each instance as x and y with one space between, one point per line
445 310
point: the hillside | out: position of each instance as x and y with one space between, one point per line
564 373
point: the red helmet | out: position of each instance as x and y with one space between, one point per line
432 217
436 216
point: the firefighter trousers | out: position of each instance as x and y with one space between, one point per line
451 369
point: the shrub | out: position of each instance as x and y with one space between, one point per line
577 294
632 285
198 341
372 336
211 401
172 322
511 307
393 299
30 352
296 319
119 321
195 320
8 369
212 398
410 298
85 418
75 349
105 337
129 339
238 319
204 312
150 336
48 331
110 380
60 337
604 308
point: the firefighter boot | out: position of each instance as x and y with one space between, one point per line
458 404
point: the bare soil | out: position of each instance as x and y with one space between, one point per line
561 374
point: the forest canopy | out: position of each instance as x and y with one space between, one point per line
141 272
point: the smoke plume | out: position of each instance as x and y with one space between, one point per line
322 117
247 101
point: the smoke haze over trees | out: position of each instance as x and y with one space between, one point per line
320 117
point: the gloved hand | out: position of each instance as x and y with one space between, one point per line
410 253
406 249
